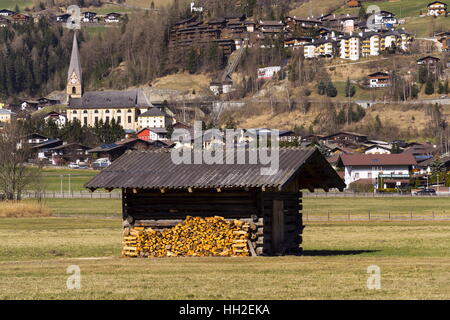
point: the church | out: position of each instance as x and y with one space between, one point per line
125 107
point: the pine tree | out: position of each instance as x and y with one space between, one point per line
321 88
429 87
331 90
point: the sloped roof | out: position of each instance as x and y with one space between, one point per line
111 99
155 170
377 159
153 112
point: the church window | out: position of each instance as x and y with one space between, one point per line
119 119
96 111
74 90
107 111
129 119
85 111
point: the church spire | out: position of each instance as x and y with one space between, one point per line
74 75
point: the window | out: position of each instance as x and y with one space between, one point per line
96 119
74 90
356 175
129 119
107 119
119 119
85 120
85 111
369 175
96 111
129 110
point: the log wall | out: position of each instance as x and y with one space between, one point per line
276 216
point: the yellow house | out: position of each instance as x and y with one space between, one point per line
6 115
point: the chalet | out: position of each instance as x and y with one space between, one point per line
155 118
344 137
57 117
437 8
305 23
152 134
43 150
297 42
33 139
20 18
377 149
6 13
232 191
63 18
421 151
89 16
384 19
428 61
70 153
271 27
379 80
30 105
444 39
112 151
113 17
380 170
4 22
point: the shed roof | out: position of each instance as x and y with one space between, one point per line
156 170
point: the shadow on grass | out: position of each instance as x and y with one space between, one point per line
325 253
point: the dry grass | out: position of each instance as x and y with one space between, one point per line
413 257
317 8
12 209
183 82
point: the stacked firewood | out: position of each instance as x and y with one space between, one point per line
195 236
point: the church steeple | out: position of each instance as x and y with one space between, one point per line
74 75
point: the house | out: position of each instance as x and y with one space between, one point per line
219 87
345 138
20 18
69 153
379 80
43 102
6 13
113 17
6 115
384 19
381 170
268 73
43 150
377 149
63 18
437 8
57 117
428 61
29 105
33 139
112 151
89 16
421 151
155 118
4 22
161 192
152 134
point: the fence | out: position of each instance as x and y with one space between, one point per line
367 195
72 195
375 216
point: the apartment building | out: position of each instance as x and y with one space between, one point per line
350 47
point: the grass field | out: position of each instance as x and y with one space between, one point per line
423 27
414 259
11 4
78 177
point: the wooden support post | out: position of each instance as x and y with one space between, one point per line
277 225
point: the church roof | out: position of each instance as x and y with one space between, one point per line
111 99
75 65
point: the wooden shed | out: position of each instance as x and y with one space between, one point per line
158 193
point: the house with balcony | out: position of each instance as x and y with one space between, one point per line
380 170
437 9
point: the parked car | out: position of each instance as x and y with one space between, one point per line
73 166
426 192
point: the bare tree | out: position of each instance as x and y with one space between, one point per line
15 174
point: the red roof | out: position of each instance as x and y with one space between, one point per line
377 159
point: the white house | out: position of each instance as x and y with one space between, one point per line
57 117
437 8
379 80
377 149
268 73
154 118
380 170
